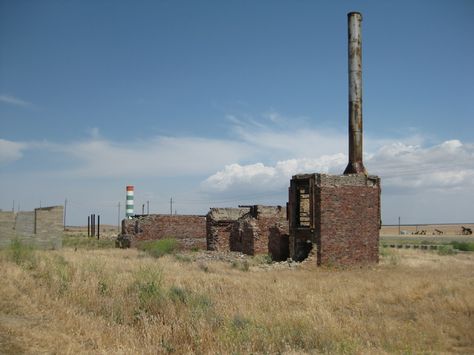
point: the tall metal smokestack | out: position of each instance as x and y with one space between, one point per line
355 165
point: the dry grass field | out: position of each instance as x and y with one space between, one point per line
114 301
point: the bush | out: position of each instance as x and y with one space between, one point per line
147 287
262 259
464 246
179 294
22 254
446 250
158 248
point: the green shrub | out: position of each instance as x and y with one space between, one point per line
391 256
22 254
384 252
179 294
464 246
262 259
446 250
147 287
158 248
198 304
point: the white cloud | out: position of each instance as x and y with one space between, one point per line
445 165
258 177
254 165
158 156
10 151
401 166
284 138
12 100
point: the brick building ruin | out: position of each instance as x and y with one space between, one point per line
250 230
188 230
336 218
339 215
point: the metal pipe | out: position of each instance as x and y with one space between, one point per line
355 165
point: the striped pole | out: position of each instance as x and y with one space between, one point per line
129 203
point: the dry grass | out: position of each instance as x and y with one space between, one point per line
123 301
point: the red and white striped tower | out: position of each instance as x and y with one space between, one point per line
129 203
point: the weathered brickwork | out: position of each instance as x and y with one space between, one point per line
250 230
188 230
344 218
219 224
278 241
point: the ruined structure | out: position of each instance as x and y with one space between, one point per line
339 215
250 230
219 224
42 227
188 230
334 217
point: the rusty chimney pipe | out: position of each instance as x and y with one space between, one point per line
355 165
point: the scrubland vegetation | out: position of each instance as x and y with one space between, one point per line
103 300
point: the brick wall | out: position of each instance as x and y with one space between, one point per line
349 222
278 241
344 218
260 230
188 230
219 224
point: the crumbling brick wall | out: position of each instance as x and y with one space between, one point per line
278 241
261 230
266 219
188 230
344 215
219 224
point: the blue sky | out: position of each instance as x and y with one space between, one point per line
218 103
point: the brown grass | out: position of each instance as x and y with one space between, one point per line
123 301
